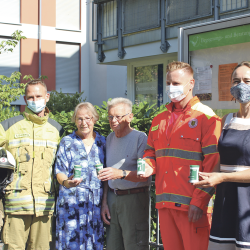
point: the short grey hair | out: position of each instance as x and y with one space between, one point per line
88 106
120 100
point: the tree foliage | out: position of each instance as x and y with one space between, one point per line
10 88
60 102
11 91
10 44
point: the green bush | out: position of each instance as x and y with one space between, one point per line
7 112
60 102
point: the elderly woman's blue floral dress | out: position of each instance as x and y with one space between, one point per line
78 222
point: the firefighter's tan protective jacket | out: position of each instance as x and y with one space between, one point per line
33 141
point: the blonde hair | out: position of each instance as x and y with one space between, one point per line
88 106
179 65
119 100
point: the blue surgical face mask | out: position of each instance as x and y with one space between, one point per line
36 106
241 92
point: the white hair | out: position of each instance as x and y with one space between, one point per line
88 106
120 100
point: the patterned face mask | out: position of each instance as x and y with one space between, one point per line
241 92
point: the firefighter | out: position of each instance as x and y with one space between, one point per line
185 134
32 139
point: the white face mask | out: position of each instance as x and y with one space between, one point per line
36 106
176 93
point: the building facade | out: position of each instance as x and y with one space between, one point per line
59 46
120 48
145 35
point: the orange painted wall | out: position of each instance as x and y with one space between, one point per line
29 11
49 13
29 57
49 63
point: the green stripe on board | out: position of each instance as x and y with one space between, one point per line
222 37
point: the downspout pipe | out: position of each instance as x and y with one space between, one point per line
39 38
216 10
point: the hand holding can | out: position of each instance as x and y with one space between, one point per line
77 172
140 166
98 167
194 173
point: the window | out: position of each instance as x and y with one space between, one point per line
149 84
10 11
109 22
229 5
9 61
180 11
140 15
67 67
68 14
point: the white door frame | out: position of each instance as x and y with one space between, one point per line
146 62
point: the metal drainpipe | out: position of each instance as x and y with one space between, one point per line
39 37
216 10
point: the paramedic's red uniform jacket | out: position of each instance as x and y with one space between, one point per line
193 141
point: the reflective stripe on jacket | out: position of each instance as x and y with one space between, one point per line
33 141
193 141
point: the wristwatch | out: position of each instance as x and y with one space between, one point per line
124 174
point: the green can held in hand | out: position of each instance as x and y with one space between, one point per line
140 166
98 167
77 172
194 173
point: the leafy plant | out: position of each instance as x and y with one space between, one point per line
12 91
7 113
59 101
102 125
64 119
10 44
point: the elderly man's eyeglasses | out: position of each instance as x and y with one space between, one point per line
86 119
118 117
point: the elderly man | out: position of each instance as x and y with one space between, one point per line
185 134
32 139
125 205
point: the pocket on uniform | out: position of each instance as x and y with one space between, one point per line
189 141
142 234
48 156
24 175
203 231
47 186
155 135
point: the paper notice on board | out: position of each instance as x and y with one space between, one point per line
203 83
203 86
224 81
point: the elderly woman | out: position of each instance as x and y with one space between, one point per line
231 217
78 222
